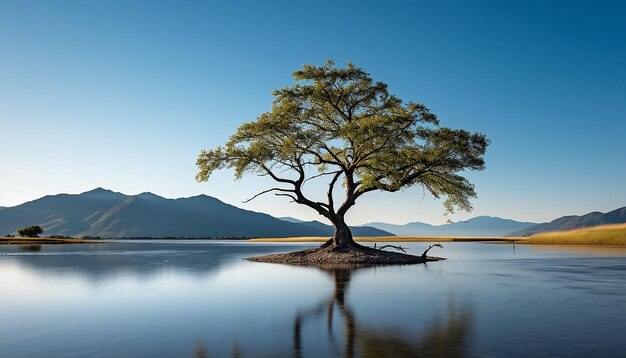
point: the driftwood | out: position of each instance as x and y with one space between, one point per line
399 248
430 247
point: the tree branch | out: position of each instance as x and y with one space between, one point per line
322 174
335 157
276 178
293 198
331 186
430 247
350 197
268 191
399 248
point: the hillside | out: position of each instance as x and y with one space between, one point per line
617 216
105 213
478 226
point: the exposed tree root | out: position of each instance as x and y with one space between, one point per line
327 243
399 248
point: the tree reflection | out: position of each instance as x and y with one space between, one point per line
200 352
445 337
30 248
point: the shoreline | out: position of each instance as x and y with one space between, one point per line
45 240
606 236
394 239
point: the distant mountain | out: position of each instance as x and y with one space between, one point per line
478 226
105 213
409 229
617 216
289 219
328 229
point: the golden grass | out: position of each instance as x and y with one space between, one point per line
390 239
43 240
599 235
591 250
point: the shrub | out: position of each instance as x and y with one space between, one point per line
30 231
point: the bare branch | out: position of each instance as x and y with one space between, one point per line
319 175
267 191
430 247
293 198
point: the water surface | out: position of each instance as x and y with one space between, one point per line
200 298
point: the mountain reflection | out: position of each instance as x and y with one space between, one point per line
142 258
224 309
445 337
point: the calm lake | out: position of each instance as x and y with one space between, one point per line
200 299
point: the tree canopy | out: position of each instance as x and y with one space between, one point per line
349 127
30 231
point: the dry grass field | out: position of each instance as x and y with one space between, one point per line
599 235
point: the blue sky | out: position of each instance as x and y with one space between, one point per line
124 94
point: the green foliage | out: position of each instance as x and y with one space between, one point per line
348 126
30 231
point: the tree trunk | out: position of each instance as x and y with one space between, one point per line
342 237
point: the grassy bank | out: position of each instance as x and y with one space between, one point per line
44 240
391 239
600 235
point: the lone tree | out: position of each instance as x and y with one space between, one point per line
351 130
30 231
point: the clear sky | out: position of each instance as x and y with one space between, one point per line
125 94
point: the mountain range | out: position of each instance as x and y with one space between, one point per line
495 226
109 214
617 216
477 226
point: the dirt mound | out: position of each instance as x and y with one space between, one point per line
332 256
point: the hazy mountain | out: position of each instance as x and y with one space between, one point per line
289 219
105 213
328 229
409 229
478 226
617 216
